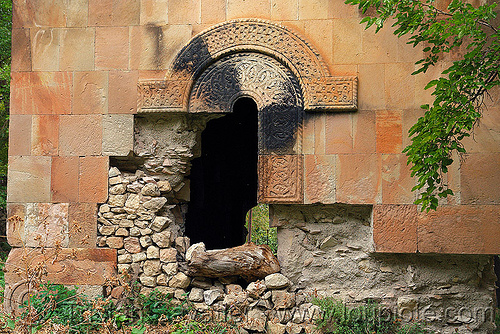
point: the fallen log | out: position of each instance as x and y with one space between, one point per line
249 261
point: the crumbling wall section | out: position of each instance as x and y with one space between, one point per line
329 249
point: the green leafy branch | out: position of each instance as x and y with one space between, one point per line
459 93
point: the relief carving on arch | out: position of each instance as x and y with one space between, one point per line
278 69
320 90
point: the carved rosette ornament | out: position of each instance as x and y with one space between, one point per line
275 67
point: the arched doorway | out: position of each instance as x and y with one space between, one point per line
224 178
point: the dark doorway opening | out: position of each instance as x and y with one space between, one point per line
224 178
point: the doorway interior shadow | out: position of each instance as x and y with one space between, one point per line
224 178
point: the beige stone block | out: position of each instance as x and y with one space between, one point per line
359 179
77 49
347 41
338 133
154 12
80 135
45 135
389 133
363 125
45 49
112 48
315 9
20 134
123 91
49 13
118 135
21 50
28 179
480 177
90 93
371 86
399 84
396 180
410 117
340 10
284 10
77 13
296 26
184 11
114 12
320 178
320 34
154 48
407 53
486 135
213 11
320 141
308 133
380 47
345 70
248 8
424 96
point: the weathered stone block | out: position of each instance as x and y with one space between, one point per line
65 266
320 178
118 135
339 133
21 50
389 131
82 225
347 41
371 87
395 228
90 93
358 179
80 135
123 92
16 215
64 179
41 93
213 11
111 48
93 180
363 123
396 180
20 134
146 53
480 178
77 49
184 11
114 12
28 179
399 85
462 229
45 45
154 12
45 135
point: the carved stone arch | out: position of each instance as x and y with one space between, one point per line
281 72
320 90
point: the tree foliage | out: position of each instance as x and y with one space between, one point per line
461 90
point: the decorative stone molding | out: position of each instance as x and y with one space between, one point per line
319 89
280 179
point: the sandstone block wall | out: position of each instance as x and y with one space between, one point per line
75 71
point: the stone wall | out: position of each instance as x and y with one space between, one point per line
329 250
